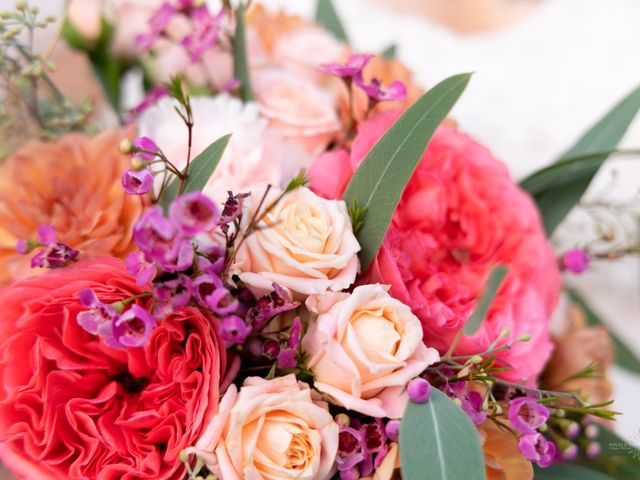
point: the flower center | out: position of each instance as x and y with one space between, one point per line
131 384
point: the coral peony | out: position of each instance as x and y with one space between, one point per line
460 215
73 408
73 184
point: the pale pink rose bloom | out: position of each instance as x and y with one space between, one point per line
130 18
255 156
270 429
364 349
297 107
305 244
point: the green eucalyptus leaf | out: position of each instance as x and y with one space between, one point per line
439 442
568 471
559 187
240 62
390 52
327 17
379 181
484 303
200 170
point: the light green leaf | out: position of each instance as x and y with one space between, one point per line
240 62
439 442
200 170
484 303
568 471
390 51
379 181
623 355
327 17
559 187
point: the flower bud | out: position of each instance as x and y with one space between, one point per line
342 419
125 146
476 359
392 429
419 390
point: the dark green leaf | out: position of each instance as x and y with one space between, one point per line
568 471
379 181
623 355
327 17
390 51
559 187
200 170
439 442
240 62
484 303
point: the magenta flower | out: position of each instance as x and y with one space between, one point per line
133 327
154 234
419 390
150 99
194 213
206 28
210 292
379 93
179 258
392 429
232 208
146 144
535 448
172 295
137 182
231 85
157 25
269 306
140 268
526 414
353 68
234 330
55 254
576 260
287 355
471 401
350 452
99 318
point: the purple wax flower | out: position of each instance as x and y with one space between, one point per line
137 182
133 327
47 234
172 295
210 292
378 92
277 302
146 144
231 85
393 430
157 25
350 452
535 448
137 266
271 349
419 390
353 68
234 330
22 247
471 401
232 208
214 262
150 99
206 29
194 213
287 355
526 414
98 319
287 358
374 436
55 254
576 260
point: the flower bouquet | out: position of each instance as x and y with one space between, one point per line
285 262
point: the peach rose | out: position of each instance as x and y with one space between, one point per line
296 106
363 349
73 184
270 429
305 244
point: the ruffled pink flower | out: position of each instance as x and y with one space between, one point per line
460 215
73 408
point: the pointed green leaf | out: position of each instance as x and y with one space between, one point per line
240 62
379 181
484 303
200 170
623 355
559 187
568 471
327 17
390 51
439 442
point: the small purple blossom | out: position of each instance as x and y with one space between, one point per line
576 260
392 429
157 25
54 254
374 436
526 414
140 268
234 330
209 291
137 182
47 234
214 261
172 295
231 85
194 213
287 355
232 209
419 390
593 449
535 448
470 401
99 318
379 93
287 358
133 328
206 29
271 348
142 146
352 68
277 302
150 99
350 452
24 247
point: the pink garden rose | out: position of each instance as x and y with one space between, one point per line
460 215
270 429
363 348
73 408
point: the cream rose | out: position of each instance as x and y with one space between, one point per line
298 107
363 348
305 244
270 429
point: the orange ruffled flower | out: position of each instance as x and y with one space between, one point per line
74 184
503 460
